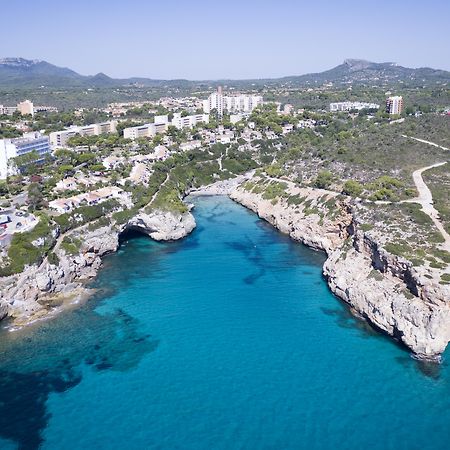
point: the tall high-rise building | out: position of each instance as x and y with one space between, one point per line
214 101
240 103
394 105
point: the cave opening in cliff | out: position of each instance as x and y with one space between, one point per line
131 233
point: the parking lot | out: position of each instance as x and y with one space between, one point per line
19 221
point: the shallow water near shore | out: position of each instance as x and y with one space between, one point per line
228 339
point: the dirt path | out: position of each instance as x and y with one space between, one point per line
425 199
423 141
156 193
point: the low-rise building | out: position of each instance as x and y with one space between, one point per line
348 106
60 138
181 122
306 123
235 118
191 145
147 130
288 128
25 108
63 205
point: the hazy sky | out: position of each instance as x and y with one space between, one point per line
201 39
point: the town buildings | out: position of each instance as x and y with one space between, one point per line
181 122
239 103
25 107
348 106
60 138
11 148
394 105
63 205
159 126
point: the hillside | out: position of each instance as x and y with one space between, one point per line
19 73
361 72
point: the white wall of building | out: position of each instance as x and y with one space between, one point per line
189 121
60 138
11 148
240 103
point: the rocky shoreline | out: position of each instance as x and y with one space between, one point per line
41 291
381 288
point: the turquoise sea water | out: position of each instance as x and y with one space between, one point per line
229 339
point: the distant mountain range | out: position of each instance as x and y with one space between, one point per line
23 73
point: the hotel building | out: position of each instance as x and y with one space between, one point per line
239 103
11 148
348 106
147 130
60 138
189 121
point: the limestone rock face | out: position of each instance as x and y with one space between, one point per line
395 298
381 288
24 294
163 225
223 187
314 230
43 281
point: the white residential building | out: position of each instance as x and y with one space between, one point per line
25 107
147 130
394 105
239 103
348 106
60 138
63 205
11 148
7 110
189 121
191 145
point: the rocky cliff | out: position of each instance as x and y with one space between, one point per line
36 291
382 288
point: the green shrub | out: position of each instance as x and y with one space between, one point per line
352 188
71 245
324 179
53 258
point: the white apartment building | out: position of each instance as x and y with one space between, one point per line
239 103
394 105
60 138
26 107
147 130
11 148
235 118
7 110
189 121
348 106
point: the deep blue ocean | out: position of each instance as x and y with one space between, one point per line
228 339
